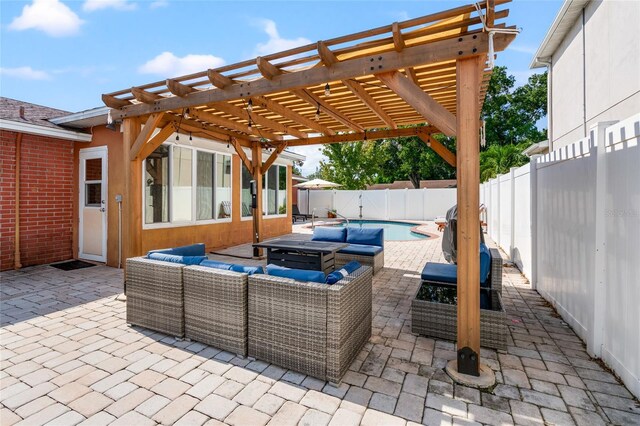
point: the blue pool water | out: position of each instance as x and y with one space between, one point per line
393 231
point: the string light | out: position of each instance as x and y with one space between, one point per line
365 135
190 137
327 90
318 113
250 106
249 125
177 137
185 114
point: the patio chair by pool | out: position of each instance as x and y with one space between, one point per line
225 209
297 215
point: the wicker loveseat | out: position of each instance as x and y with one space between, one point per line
313 328
366 245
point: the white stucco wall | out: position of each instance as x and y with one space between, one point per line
612 71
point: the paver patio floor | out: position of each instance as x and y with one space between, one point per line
68 357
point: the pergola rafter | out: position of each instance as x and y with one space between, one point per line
418 77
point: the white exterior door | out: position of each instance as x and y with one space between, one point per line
92 235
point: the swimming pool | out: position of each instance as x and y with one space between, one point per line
393 231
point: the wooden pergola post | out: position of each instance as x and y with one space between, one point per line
132 197
468 76
256 160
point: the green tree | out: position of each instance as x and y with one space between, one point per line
498 159
511 114
353 165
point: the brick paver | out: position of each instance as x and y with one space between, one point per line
67 356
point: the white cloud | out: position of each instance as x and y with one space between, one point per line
158 4
93 5
275 42
522 77
25 73
401 15
314 156
167 64
50 16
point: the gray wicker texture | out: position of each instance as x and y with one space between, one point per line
215 308
155 295
440 320
376 262
315 329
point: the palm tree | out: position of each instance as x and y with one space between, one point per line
498 159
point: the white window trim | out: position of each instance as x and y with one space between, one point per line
264 177
193 221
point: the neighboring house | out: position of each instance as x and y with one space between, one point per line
593 56
71 178
405 184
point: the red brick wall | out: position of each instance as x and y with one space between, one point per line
46 200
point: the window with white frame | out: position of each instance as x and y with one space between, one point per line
274 191
186 185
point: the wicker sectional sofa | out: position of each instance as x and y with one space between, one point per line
316 329
366 245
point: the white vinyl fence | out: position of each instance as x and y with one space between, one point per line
571 222
382 204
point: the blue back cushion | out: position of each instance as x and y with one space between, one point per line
233 267
336 276
247 269
296 274
332 234
185 260
191 250
367 236
485 262
217 265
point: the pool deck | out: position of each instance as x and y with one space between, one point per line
68 357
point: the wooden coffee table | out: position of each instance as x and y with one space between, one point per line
301 254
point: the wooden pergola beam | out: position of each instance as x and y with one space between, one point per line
145 134
243 156
211 132
179 89
438 51
327 57
267 69
424 104
439 149
144 96
113 102
288 113
156 141
234 125
218 80
360 92
315 101
361 136
398 41
258 119
468 228
273 157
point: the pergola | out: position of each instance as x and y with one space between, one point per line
373 84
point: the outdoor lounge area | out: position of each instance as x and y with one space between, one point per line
69 355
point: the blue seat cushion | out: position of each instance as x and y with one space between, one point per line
485 263
296 274
191 250
361 250
184 260
327 233
485 300
440 272
336 276
366 236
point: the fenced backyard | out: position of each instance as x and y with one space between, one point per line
570 220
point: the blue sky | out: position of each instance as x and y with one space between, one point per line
65 54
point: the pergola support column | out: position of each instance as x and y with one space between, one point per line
256 160
468 237
132 197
